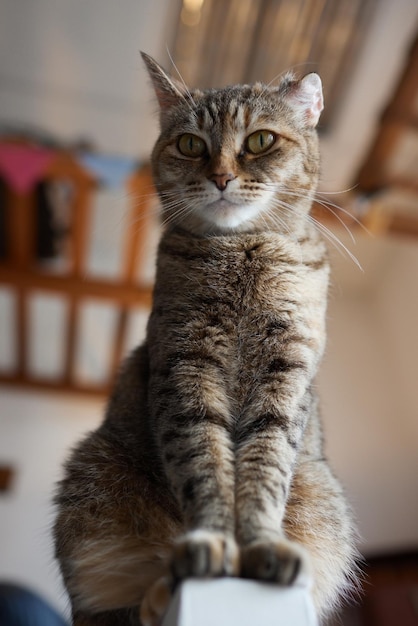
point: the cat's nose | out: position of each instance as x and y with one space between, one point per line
221 180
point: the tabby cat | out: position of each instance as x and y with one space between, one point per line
210 459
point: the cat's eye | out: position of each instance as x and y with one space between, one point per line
191 146
260 141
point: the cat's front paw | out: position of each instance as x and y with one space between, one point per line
281 561
204 553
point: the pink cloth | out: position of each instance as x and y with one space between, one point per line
23 166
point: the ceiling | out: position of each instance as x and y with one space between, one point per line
219 43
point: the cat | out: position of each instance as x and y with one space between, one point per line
210 461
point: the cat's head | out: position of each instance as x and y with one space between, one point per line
238 159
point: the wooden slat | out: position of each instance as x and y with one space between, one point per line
80 229
374 173
21 330
404 99
21 236
399 183
78 249
21 254
125 294
118 344
6 476
70 340
403 224
58 385
140 188
66 168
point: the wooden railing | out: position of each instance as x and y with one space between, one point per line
23 275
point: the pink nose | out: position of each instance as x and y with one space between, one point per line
221 180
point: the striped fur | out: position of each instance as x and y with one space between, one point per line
210 459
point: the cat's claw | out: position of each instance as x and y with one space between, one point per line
205 554
281 561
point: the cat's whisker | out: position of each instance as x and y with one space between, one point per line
333 239
180 213
172 213
154 209
339 192
326 232
276 218
349 214
328 206
140 196
339 218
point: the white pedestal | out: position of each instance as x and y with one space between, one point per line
237 602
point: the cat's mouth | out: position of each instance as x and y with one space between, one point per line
227 213
222 204
223 207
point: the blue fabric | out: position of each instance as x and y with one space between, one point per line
21 607
112 171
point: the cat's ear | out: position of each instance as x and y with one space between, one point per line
307 97
167 90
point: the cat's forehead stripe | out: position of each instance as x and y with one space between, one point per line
220 107
239 114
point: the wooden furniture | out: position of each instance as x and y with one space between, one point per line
23 275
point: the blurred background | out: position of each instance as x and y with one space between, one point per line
79 226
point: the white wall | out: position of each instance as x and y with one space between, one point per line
74 69
370 395
36 432
397 300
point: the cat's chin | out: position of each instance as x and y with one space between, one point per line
226 216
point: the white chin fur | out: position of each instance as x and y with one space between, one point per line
226 215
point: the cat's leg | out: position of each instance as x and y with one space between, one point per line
276 402
203 479
267 449
193 419
318 518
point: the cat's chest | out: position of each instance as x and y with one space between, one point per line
234 307
243 281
